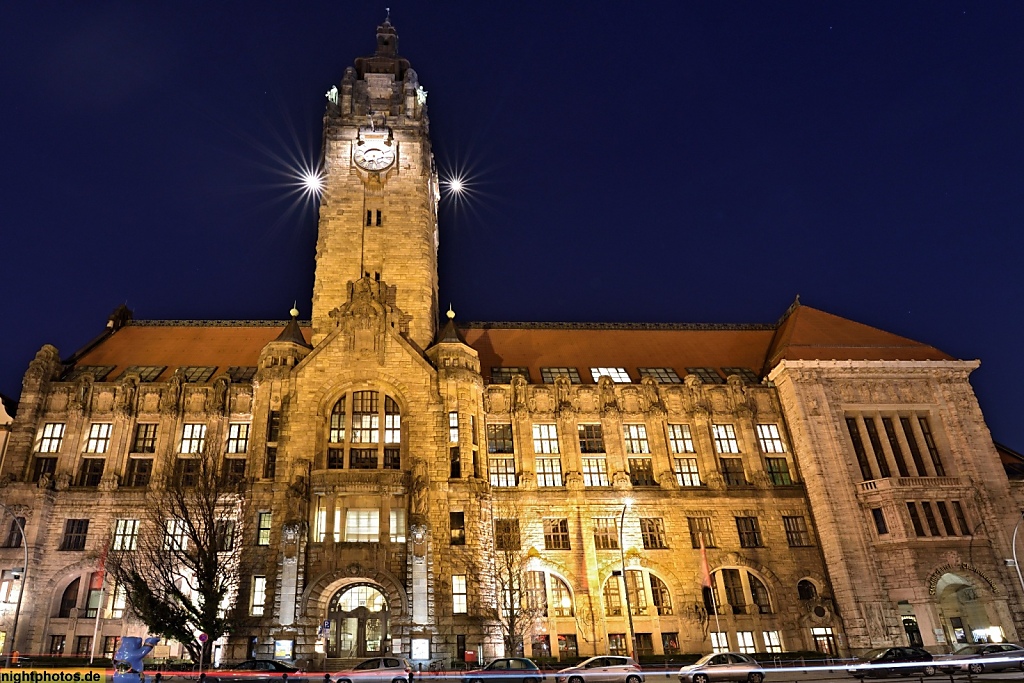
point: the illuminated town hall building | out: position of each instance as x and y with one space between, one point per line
841 478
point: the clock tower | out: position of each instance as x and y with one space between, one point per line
378 209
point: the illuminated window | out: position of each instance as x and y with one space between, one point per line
145 439
606 533
398 525
193 438
453 427
362 526
53 437
719 641
725 439
772 641
663 375
549 472
99 438
636 438
259 596
595 472
545 438
561 598
613 596
641 472
686 472
365 420
745 639
263 526
126 534
502 472
536 593
770 439
460 597
238 438
618 375
680 440
652 529
175 535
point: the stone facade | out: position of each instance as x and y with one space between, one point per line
842 504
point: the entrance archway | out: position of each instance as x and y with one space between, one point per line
358 616
964 609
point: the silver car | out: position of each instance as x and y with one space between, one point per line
983 657
376 670
605 669
723 666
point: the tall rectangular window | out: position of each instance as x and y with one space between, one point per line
700 527
719 641
460 597
175 535
933 450
14 536
606 533
686 472
947 521
894 445
641 472
145 438
399 525
545 438
732 471
734 590
915 450
680 440
270 463
52 437
75 531
725 439
259 596
238 437
876 445
365 417
506 534
193 438
99 438
556 534
234 470
549 472
453 427
929 517
43 467
745 640
499 438
126 534
591 438
264 521
90 471
186 472
224 535
915 519
961 518
636 439
858 449
797 533
778 471
652 530
362 526
139 472
502 472
273 426
772 641
595 472
879 518
749 532
769 438
457 527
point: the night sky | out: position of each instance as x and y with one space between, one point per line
669 162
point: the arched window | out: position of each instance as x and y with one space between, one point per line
69 600
660 596
354 432
806 590
613 597
561 598
362 595
759 594
637 594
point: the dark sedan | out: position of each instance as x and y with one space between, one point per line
506 670
887 661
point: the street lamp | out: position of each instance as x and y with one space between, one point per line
24 576
1013 546
625 586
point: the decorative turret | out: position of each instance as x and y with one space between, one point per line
288 349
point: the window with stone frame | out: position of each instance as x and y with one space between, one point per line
399 525
700 528
732 472
770 439
175 535
617 644
749 530
453 426
661 597
270 463
457 528
186 471
549 472
238 437
548 375
686 471
725 438
502 472
126 535
258 598
75 533
556 534
637 592
139 472
545 439
364 430
641 472
57 645
499 438
234 470
879 518
52 438
663 375
644 645
193 438
362 525
759 594
778 471
504 375
506 534
536 593
933 450
636 439
274 426
43 467
961 518
363 458
670 643
83 644
99 437
613 595
595 472
224 535
915 519
365 417
733 585
14 536
392 458
606 533
652 530
460 594
947 521
561 597
772 642
145 438
680 440
797 533
591 438
90 471
264 524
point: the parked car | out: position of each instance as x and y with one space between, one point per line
505 670
887 661
376 670
609 669
983 657
722 666
251 670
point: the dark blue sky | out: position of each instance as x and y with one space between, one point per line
690 162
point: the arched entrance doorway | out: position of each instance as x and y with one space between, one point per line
963 606
358 615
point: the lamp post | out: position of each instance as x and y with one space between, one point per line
1013 546
625 586
24 577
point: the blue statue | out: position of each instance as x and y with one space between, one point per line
128 659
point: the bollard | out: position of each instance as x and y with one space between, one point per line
157 677
327 678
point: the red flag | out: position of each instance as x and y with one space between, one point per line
705 571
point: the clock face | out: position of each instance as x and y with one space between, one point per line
374 157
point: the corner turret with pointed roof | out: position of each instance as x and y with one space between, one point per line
286 351
291 332
450 349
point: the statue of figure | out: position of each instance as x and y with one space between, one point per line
419 488
128 665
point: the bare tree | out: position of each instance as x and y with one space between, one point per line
181 576
519 603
